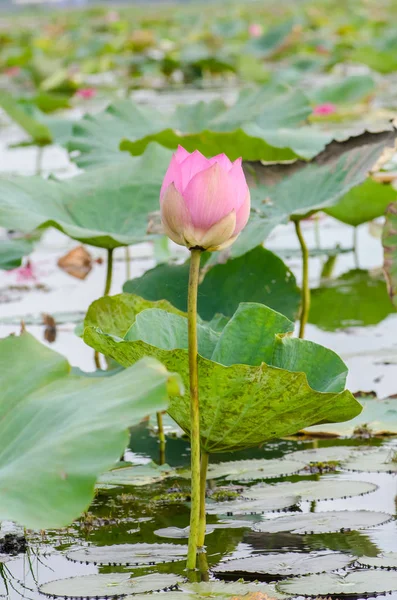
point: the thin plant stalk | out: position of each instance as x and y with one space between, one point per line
39 160
108 284
355 247
203 489
203 566
127 262
161 436
194 408
109 272
305 280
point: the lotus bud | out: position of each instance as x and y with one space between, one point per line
204 202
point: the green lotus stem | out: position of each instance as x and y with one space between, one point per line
194 408
203 489
127 262
160 433
355 248
97 360
39 160
203 566
109 272
305 280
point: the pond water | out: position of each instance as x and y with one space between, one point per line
132 515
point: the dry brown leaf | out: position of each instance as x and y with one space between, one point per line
77 262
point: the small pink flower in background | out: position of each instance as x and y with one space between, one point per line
86 93
324 109
112 16
25 273
255 30
205 203
12 71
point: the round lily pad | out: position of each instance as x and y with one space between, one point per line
328 454
324 522
129 554
378 461
384 561
325 489
357 583
252 507
246 470
108 584
286 564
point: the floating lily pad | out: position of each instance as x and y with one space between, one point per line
358 583
384 561
221 590
271 375
136 475
260 468
378 417
375 461
325 522
108 585
324 489
64 428
80 206
285 564
129 554
4 558
252 507
327 454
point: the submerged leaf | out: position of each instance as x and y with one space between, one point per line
241 400
324 522
50 426
285 564
356 583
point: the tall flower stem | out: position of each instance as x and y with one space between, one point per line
194 408
305 280
160 433
203 489
108 283
109 272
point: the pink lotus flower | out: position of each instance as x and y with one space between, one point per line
255 30
204 203
324 109
25 273
86 93
12 71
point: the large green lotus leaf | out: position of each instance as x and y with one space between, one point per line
312 188
39 132
118 313
344 91
12 252
258 276
241 405
108 207
262 124
60 431
389 241
363 203
355 299
272 40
